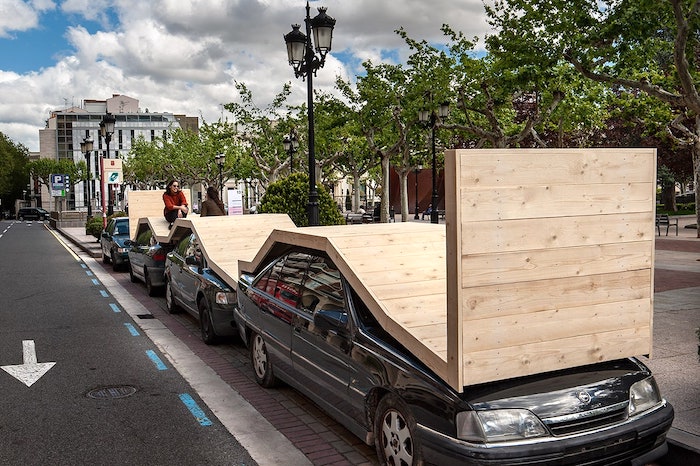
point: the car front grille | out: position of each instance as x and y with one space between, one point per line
587 420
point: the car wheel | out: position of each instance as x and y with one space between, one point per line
115 266
205 323
169 299
21 218
132 277
260 360
395 433
150 289
105 258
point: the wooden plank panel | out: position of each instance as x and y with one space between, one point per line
541 264
527 234
536 327
567 292
542 201
494 167
497 364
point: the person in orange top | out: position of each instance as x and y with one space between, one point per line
175 202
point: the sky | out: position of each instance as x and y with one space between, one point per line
184 56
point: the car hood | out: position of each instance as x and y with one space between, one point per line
563 392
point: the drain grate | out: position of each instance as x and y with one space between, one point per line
145 316
110 393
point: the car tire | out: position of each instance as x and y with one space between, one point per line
395 436
260 361
150 289
170 305
105 258
115 266
206 325
132 277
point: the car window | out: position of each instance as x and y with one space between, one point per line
322 287
283 279
183 246
122 228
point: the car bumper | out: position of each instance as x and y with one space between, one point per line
121 258
223 320
635 442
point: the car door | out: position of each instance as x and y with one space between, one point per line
106 239
188 274
321 337
273 298
138 253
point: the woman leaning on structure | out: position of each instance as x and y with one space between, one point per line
212 205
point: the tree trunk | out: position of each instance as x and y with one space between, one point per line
403 186
384 212
696 180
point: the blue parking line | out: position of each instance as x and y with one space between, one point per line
115 308
89 273
132 329
156 360
95 281
83 266
195 409
104 293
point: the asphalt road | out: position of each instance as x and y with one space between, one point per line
110 397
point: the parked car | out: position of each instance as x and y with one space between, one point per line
113 242
147 261
305 325
32 213
191 285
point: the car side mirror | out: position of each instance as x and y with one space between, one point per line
128 243
335 320
105 234
192 260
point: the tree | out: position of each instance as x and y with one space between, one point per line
14 173
290 195
647 45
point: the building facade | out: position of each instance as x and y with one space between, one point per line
66 129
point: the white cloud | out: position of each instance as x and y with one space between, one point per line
184 56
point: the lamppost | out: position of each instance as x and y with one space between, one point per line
416 171
430 118
220 159
305 63
86 148
106 131
290 145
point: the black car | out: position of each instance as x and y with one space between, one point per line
114 242
305 324
190 284
147 261
32 213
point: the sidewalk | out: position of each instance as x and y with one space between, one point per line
675 361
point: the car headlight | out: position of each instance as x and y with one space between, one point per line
122 250
499 425
644 395
225 298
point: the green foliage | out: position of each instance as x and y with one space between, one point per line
94 225
13 170
290 196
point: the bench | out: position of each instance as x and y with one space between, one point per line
664 220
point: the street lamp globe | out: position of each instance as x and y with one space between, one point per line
322 26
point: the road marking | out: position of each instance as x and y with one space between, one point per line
104 293
31 370
89 273
156 360
195 409
115 308
95 281
55 235
132 329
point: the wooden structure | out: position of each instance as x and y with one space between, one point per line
224 240
545 262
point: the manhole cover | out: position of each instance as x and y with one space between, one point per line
105 393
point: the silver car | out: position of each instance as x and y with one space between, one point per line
147 262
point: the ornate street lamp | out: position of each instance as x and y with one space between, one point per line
305 63
290 145
220 159
86 146
106 131
430 118
416 171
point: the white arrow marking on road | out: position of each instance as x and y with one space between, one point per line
30 371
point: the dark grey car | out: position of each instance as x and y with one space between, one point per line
191 285
113 242
305 324
147 262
